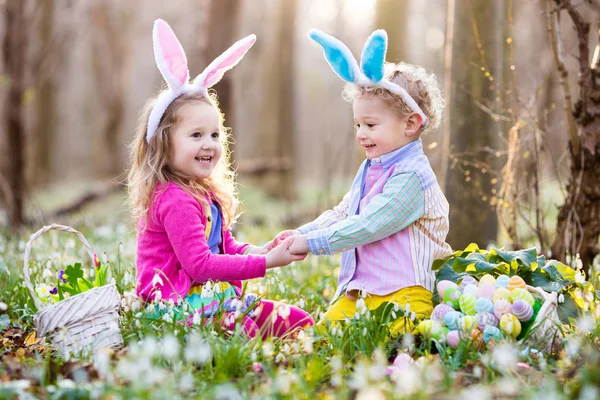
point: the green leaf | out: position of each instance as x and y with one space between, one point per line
469 265
526 257
74 272
565 272
447 273
542 279
568 309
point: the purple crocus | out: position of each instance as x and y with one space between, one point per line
54 290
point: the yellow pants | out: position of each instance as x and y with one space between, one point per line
419 298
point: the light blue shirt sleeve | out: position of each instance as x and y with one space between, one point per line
401 203
329 217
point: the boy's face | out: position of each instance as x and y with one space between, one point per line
380 130
196 143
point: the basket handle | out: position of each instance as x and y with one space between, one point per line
38 303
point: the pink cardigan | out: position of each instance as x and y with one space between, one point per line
174 245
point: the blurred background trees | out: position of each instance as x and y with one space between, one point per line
74 76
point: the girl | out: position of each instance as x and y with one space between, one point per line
183 196
394 221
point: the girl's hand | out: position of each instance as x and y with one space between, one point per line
299 246
281 236
280 255
260 249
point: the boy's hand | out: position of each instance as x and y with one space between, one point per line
261 249
281 236
299 245
281 256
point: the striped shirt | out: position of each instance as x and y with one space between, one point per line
391 226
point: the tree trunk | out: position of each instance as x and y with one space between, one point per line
392 16
45 102
474 132
578 224
222 15
15 54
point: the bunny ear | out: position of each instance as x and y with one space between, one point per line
338 56
169 55
373 56
229 59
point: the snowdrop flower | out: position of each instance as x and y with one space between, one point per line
170 347
283 310
157 280
197 350
586 324
505 356
361 307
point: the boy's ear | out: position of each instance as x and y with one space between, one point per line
414 121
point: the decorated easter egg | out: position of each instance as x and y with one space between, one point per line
487 290
522 310
471 289
453 338
440 311
452 318
516 282
485 319
510 325
521 294
451 296
487 278
483 304
467 304
502 307
442 286
467 323
501 293
502 281
491 333
467 280
477 339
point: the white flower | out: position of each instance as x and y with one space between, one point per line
284 310
301 303
361 307
586 324
102 362
505 356
43 290
197 350
168 318
170 347
157 280
579 277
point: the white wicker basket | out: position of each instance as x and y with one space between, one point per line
545 333
82 323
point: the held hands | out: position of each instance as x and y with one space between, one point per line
281 254
281 236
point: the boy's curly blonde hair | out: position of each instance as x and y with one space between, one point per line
422 86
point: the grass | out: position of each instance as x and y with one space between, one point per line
164 359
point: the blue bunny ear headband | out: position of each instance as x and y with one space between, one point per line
372 61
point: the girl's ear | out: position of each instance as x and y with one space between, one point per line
338 56
414 122
229 59
169 56
372 59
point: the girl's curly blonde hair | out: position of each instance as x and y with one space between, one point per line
422 86
149 163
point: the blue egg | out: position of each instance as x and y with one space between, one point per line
491 332
452 319
502 281
483 304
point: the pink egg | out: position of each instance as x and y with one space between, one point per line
442 286
453 338
502 307
487 290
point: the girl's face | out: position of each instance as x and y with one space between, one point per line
380 130
196 143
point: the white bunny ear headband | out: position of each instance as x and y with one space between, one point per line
173 66
372 62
